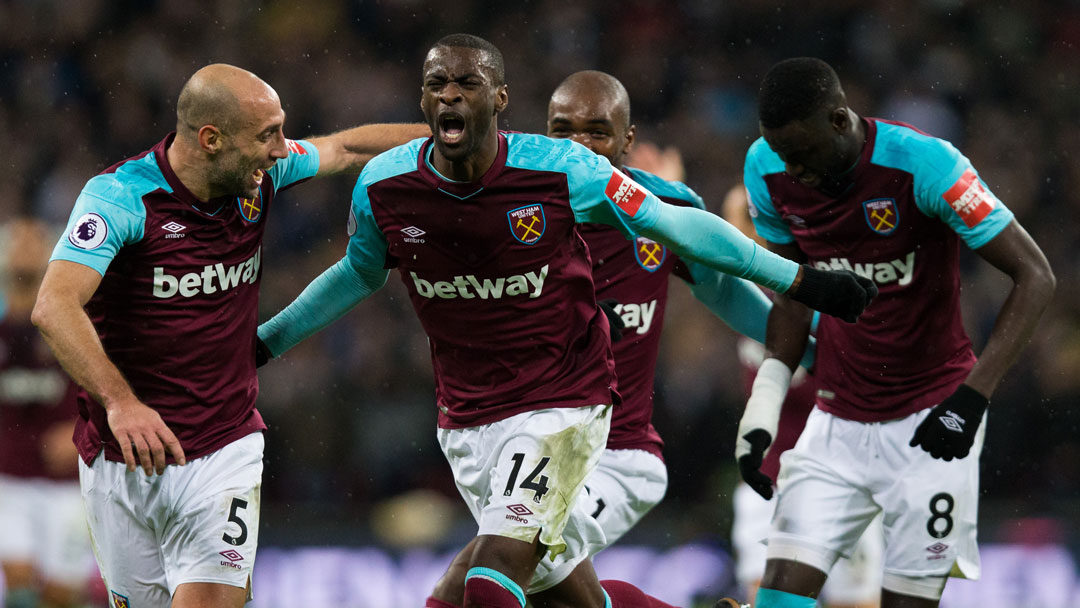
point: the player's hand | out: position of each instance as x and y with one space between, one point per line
759 423
840 293
752 446
614 320
143 436
949 431
262 353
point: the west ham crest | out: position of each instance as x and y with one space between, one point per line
119 601
650 255
527 223
881 214
250 208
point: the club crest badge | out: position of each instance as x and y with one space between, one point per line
250 208
527 223
89 232
649 254
119 601
881 215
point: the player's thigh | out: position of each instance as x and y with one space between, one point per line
214 532
625 486
203 595
856 580
524 475
127 549
931 510
65 546
750 529
18 520
823 503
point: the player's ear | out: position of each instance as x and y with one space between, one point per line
840 119
210 139
630 133
502 98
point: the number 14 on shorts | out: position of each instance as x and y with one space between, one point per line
536 481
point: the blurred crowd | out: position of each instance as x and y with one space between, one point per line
86 84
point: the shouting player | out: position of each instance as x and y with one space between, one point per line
165 250
482 226
44 546
593 109
897 427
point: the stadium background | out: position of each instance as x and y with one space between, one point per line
351 456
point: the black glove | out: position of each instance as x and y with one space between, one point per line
613 318
840 293
750 464
949 430
262 353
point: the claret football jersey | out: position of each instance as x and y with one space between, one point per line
497 271
176 310
912 199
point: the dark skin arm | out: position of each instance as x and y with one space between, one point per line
1015 253
788 328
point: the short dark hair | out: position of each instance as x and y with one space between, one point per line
475 42
796 88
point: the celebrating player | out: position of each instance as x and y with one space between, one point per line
44 546
900 395
482 228
165 250
631 276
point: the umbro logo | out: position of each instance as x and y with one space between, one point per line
232 555
937 551
413 234
952 421
518 513
174 230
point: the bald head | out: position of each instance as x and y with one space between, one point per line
598 89
224 96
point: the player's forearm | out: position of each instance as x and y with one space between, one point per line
75 344
705 238
348 151
787 335
333 293
1012 331
739 303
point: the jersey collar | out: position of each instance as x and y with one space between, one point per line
461 190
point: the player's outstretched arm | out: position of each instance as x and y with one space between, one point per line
706 238
348 151
333 293
59 315
949 431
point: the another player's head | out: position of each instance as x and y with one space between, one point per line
463 91
804 118
234 120
593 109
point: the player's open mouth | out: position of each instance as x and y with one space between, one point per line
258 175
451 127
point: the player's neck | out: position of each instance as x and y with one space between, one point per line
472 167
189 169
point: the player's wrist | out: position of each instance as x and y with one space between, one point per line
766 400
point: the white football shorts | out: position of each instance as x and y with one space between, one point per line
526 475
842 473
198 523
852 581
44 524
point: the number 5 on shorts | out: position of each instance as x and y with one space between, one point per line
531 483
238 504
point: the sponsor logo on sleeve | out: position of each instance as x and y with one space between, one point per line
527 223
250 208
881 214
295 147
649 254
625 193
89 232
969 199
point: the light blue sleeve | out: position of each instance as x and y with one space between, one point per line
106 216
946 185
301 163
342 286
762 161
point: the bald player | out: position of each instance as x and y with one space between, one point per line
630 276
164 251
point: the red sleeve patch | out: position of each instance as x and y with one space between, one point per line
625 192
969 199
295 147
